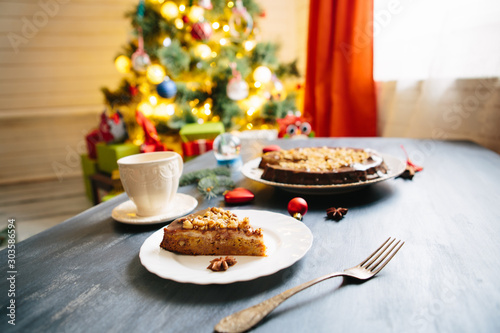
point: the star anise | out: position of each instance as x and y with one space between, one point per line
221 264
336 213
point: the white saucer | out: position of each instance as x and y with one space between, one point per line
127 212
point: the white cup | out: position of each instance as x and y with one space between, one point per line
151 180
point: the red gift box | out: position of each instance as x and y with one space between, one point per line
92 139
197 147
149 148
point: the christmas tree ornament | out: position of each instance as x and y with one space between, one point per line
262 74
237 88
238 195
241 22
169 10
297 207
140 59
123 64
155 74
167 88
201 30
227 148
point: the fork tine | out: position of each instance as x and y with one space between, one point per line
388 259
374 255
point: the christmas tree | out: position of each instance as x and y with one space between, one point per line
200 61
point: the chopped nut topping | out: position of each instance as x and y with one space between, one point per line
221 264
187 224
322 159
218 218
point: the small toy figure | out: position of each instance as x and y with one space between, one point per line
294 126
112 128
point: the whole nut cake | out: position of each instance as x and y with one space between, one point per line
322 166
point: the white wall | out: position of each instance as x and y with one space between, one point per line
54 57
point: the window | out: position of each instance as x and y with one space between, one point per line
423 39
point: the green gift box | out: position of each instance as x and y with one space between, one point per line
207 131
89 167
109 154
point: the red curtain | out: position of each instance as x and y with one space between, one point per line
339 88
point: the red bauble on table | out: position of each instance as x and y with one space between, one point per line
238 195
201 30
297 207
270 148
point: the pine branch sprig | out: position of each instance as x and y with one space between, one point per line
196 176
212 186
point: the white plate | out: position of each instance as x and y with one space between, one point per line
287 240
395 168
126 212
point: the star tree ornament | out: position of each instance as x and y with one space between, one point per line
297 207
241 22
237 88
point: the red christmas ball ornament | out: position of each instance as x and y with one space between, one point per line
238 195
297 207
201 30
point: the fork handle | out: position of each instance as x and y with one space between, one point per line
247 318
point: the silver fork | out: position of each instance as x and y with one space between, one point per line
247 318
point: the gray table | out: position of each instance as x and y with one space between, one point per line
84 275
